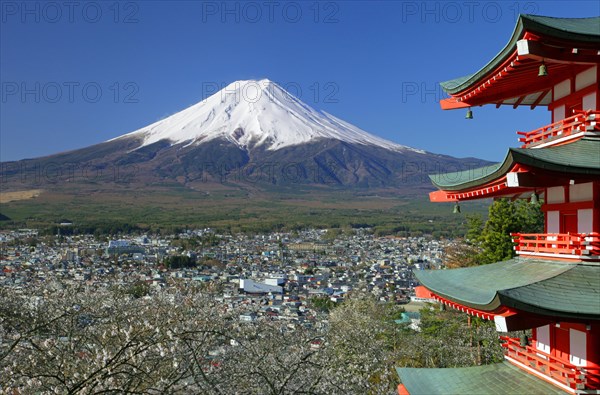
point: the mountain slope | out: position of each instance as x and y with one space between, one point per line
249 133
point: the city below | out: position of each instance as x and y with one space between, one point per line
275 276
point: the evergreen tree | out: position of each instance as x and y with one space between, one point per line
492 242
496 240
506 217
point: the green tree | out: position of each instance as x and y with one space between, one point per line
491 241
323 304
506 217
475 227
496 240
529 216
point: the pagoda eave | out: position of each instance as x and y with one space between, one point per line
518 181
506 318
485 314
543 289
476 194
517 82
512 78
565 48
523 170
537 50
507 185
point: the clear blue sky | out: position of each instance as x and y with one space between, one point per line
78 73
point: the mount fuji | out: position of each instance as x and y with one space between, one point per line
250 132
252 114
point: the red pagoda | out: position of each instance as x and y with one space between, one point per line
553 285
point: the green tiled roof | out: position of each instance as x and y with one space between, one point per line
579 157
466 178
575 292
543 286
501 379
582 29
574 29
478 286
405 318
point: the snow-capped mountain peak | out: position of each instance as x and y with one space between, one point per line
254 113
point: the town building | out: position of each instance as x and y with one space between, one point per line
552 287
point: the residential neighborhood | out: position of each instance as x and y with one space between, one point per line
270 277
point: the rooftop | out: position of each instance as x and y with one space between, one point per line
566 46
547 287
572 29
578 158
483 380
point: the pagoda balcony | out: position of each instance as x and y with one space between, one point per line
576 378
582 246
564 130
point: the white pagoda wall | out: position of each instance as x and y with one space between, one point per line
566 198
586 80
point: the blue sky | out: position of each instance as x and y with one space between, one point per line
78 73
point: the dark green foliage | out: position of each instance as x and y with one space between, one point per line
475 227
186 244
167 209
179 261
96 229
323 304
529 216
138 289
505 217
496 240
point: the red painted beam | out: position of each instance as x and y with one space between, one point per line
439 197
452 104
518 81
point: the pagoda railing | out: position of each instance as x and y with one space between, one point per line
570 375
571 126
567 245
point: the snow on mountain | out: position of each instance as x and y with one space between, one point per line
256 113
